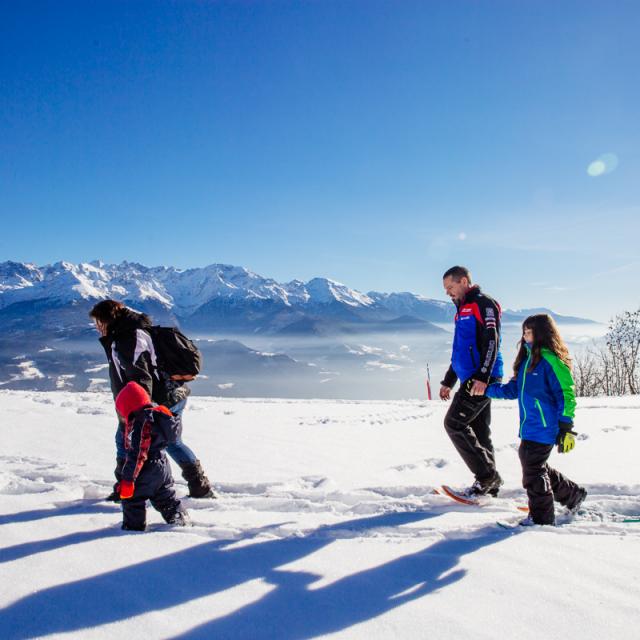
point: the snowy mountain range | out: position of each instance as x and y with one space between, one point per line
182 291
217 298
258 337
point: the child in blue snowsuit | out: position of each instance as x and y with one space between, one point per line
544 387
146 474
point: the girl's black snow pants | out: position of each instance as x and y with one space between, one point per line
543 483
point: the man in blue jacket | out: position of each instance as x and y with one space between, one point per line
476 361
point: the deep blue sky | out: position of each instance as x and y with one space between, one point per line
373 142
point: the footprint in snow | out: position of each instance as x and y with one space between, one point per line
93 411
438 463
19 486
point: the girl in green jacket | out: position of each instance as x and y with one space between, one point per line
544 387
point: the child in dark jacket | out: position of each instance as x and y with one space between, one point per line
544 386
146 474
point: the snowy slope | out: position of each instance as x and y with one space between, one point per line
326 524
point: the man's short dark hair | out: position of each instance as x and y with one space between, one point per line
457 273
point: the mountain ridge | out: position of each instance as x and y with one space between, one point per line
220 297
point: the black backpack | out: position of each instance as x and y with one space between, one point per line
176 354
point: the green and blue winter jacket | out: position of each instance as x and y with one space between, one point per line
546 397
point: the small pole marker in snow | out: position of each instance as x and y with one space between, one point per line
428 383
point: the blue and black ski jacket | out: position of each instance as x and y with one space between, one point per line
546 396
476 340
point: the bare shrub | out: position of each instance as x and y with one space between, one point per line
611 369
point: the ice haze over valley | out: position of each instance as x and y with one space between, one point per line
259 337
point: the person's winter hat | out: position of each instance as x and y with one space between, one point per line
131 398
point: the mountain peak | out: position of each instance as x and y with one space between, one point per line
325 291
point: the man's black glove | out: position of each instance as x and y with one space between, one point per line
565 440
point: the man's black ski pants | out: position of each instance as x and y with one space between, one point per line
468 424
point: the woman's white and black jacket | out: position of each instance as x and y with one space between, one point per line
131 355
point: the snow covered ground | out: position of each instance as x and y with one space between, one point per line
326 525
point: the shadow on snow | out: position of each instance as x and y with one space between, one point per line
70 509
290 611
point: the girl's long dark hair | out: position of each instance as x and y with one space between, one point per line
545 335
